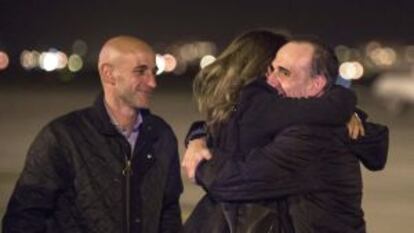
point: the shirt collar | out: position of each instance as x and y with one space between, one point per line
135 128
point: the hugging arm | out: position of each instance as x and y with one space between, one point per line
283 167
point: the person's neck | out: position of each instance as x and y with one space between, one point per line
123 115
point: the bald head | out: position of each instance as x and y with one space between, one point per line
121 45
127 72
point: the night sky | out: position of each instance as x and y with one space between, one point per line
41 24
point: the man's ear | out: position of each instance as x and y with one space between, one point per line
106 72
318 84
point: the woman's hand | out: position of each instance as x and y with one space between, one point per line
355 127
196 152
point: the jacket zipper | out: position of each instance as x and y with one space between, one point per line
127 172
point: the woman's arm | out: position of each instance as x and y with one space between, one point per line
288 165
260 107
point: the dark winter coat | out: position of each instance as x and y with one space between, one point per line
305 174
75 178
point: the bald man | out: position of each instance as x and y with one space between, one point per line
112 167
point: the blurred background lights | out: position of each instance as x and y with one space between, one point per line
371 46
206 47
160 62
383 56
343 53
188 52
80 47
184 55
196 50
49 61
75 63
62 60
4 60
351 70
206 60
170 62
409 54
29 59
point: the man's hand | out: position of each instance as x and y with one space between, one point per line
196 152
355 127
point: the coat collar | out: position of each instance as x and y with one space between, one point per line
102 120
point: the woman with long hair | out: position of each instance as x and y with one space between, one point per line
217 86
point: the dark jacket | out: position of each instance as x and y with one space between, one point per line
308 167
288 166
74 179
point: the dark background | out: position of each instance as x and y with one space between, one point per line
43 23
30 99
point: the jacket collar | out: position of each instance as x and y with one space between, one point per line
103 121
261 82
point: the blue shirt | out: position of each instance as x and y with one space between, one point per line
133 135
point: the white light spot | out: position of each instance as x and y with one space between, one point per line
206 60
49 61
351 70
160 62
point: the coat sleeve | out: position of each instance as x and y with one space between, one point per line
288 165
197 130
259 105
372 149
264 109
171 213
38 186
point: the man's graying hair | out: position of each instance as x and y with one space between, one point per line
324 60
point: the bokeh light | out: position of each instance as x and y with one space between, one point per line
62 60
188 52
170 62
192 51
29 59
383 56
49 61
4 60
75 63
371 46
351 70
160 62
206 60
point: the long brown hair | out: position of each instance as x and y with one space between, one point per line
217 86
